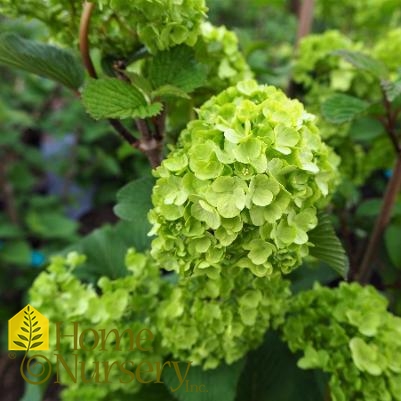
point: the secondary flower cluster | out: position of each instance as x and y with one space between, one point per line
210 321
348 333
128 302
242 187
162 24
217 48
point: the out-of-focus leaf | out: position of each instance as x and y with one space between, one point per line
392 239
271 374
38 58
341 108
16 252
364 62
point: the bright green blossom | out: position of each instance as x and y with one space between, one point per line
116 25
348 333
217 48
126 302
162 24
211 321
242 187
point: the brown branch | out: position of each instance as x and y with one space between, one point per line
390 197
84 47
392 190
305 19
389 123
150 145
84 44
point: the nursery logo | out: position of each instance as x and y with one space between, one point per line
28 331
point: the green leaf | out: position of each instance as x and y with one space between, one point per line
308 274
36 344
51 225
168 91
209 385
8 230
363 62
113 98
134 202
22 337
271 374
341 108
44 60
139 82
16 252
327 247
392 238
365 129
391 89
176 67
105 253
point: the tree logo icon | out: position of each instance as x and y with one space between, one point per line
28 330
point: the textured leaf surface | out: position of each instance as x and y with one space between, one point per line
177 67
364 62
327 246
167 91
341 108
44 60
113 98
391 89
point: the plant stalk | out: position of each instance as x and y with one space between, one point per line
393 188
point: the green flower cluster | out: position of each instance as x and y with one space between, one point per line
243 186
348 333
210 321
116 24
387 50
127 302
321 72
162 24
217 48
359 17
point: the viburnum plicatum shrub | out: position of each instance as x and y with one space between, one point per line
126 302
348 333
210 322
242 187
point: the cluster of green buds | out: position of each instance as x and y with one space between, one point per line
242 187
162 24
211 321
126 302
217 48
348 333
